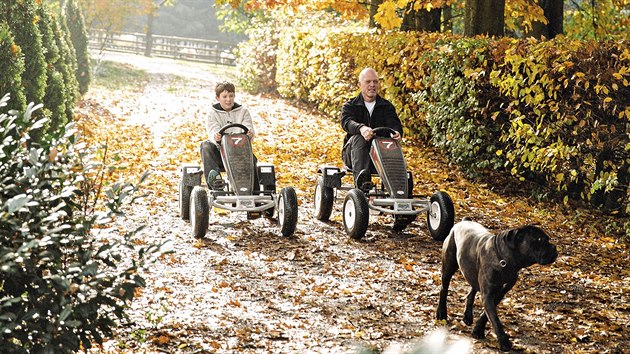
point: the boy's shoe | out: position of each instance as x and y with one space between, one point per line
364 180
215 182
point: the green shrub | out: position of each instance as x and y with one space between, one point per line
11 69
78 35
63 285
458 101
22 19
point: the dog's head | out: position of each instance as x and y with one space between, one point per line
532 243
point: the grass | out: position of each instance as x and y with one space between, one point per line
117 76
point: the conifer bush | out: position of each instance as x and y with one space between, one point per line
22 19
66 64
11 67
55 95
78 35
63 286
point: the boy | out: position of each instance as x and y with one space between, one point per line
225 112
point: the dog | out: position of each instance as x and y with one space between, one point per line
490 264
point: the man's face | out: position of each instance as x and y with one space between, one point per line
226 100
368 84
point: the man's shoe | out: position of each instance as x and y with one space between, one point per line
364 180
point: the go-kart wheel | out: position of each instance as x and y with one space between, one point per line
356 214
323 200
402 221
199 211
440 215
287 211
184 201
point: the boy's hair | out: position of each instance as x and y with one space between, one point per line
224 86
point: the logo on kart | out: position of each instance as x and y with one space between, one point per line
387 144
237 141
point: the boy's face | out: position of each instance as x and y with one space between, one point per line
226 100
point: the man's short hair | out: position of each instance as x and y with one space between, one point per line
224 86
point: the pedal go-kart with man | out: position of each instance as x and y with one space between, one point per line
248 187
393 195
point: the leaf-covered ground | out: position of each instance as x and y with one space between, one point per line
245 288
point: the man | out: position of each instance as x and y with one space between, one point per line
225 112
358 117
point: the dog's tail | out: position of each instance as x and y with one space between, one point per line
466 218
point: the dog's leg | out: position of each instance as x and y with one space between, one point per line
490 312
449 267
468 312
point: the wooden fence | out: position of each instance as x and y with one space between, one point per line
201 50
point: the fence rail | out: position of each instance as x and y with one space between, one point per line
192 49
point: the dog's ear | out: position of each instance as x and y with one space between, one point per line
513 238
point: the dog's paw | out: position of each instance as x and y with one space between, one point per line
479 333
440 314
505 345
468 318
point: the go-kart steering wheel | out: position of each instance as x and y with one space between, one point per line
233 125
383 130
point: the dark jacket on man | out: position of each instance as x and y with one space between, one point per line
354 115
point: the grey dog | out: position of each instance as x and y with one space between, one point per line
490 264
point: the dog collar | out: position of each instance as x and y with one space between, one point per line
502 262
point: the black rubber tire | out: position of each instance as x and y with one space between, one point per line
184 201
440 215
356 214
287 211
323 200
199 212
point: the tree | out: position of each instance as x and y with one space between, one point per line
66 64
151 7
484 17
554 14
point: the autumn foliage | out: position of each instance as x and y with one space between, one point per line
552 112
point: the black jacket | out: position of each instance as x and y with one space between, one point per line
355 114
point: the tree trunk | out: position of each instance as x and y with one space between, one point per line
554 13
484 17
373 9
447 14
148 45
422 20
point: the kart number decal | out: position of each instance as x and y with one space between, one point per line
190 170
265 169
388 144
237 141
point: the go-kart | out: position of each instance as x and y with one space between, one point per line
393 196
244 190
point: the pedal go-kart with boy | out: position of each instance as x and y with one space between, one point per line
248 187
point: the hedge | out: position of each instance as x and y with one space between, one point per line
551 111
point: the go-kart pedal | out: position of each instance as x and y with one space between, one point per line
364 181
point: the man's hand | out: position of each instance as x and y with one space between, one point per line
217 137
366 132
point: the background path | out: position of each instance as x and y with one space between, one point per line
244 288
